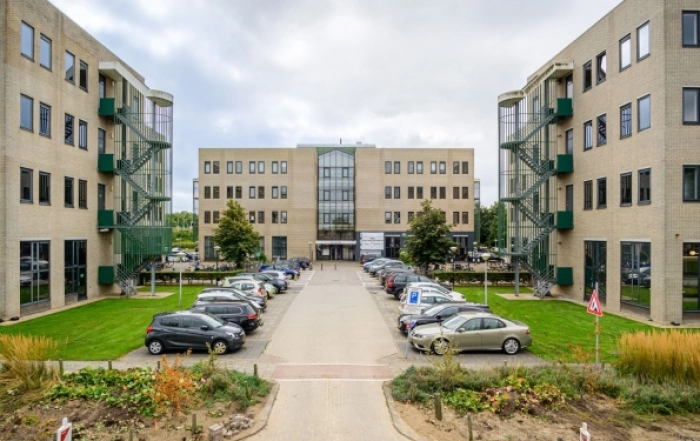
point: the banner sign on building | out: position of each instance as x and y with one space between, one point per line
371 241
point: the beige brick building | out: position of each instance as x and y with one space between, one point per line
70 113
600 163
335 202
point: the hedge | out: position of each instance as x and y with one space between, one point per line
466 278
189 276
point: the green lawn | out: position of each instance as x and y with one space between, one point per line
555 324
103 330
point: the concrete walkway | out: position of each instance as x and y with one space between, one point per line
328 345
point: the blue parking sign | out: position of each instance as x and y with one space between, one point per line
413 296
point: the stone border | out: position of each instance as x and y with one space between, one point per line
396 419
261 422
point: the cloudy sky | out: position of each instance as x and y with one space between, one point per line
276 73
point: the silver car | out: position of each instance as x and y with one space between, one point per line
469 331
428 298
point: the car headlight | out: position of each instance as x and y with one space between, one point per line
234 336
418 335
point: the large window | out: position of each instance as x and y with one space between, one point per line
602 193
691 33
625 52
82 194
82 134
691 105
44 188
644 113
34 276
643 41
27 43
279 247
26 186
644 181
626 189
68 135
635 274
75 254
45 52
44 119
587 76
602 67
691 183
602 123
594 269
70 67
588 135
26 112
587 195
626 121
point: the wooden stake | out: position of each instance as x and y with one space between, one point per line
255 370
438 407
469 427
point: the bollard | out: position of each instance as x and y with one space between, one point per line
131 434
321 267
60 366
194 424
109 365
158 365
255 370
469 427
438 407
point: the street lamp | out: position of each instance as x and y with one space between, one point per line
217 249
180 256
454 252
485 257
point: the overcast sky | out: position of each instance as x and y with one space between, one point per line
277 73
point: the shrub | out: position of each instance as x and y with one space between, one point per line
24 361
175 388
661 356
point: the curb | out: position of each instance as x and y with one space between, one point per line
261 422
396 419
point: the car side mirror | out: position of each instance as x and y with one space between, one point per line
460 330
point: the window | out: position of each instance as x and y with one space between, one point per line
455 193
68 136
261 167
44 188
215 167
587 135
465 192
465 167
44 119
215 217
82 134
587 76
251 167
397 167
626 189
283 167
239 167
70 67
207 192
387 217
275 167
410 169
26 113
570 86
411 193
239 192
433 192
419 167
595 269
229 167
644 113
326 172
443 167
587 195
387 192
570 142
691 36
283 217
643 41
275 217
215 192
35 287
397 217
275 192
443 192
691 106
26 185
283 192
261 217
82 193
455 217
45 52
83 80
602 193
433 167
411 215
465 217
101 192
635 266
419 192
455 167
229 192
387 167
251 192
602 130
326 195
691 183
261 192
68 194
602 67
397 192
626 121
644 182
625 52
346 195
251 217
101 140
27 43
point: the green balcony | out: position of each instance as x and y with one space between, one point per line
565 220
565 276
105 275
565 107
565 164
105 162
106 107
105 219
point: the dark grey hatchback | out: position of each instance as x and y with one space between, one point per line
185 330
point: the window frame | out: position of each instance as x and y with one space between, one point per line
26 26
251 167
587 135
207 167
83 76
387 217
696 189
82 134
66 70
646 25
283 192
587 76
261 192
601 60
629 188
239 167
275 167
229 167
696 15
588 194
465 217
207 192
24 100
387 192
238 192
215 167
411 193
66 139
397 167
442 167
627 39
640 192
397 217
639 113
24 171
215 192
465 167
283 216
411 168
44 188
433 167
261 167
419 192
419 167
275 192
252 191
68 192
44 39
569 141
602 190
696 92
82 194
397 192
455 193
101 140
455 167
626 123
283 167
601 141
465 192
387 167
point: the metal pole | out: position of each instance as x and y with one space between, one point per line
180 302
597 332
486 282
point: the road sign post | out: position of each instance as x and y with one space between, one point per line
596 309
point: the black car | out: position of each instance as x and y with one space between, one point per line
184 330
222 294
437 313
240 313
396 285
387 273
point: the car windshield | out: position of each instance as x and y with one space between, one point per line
433 310
211 321
453 323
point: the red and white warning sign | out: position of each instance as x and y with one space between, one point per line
65 432
594 306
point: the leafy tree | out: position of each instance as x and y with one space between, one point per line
235 235
182 219
428 242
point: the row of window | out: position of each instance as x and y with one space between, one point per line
394 217
435 166
35 270
45 56
435 192
213 167
26 190
27 123
237 192
626 190
278 217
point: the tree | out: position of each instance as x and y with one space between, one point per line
235 235
428 242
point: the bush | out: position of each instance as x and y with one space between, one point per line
24 361
464 278
660 356
189 276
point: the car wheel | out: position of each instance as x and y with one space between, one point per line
511 346
219 347
155 347
440 346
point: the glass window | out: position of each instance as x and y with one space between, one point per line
27 43
275 217
82 134
283 167
602 67
229 192
229 167
45 52
279 247
26 191
411 193
443 192
70 67
465 192
68 136
251 192
251 217
691 183
387 217
275 192
602 122
239 167
44 119
644 181
691 277
595 270
26 120
346 172
101 140
410 169
261 192
644 113
387 192
44 188
587 76
690 29
75 258
602 193
625 52
387 167
691 106
570 142
34 264
455 167
419 192
643 43
433 192
346 195
101 86
251 167
397 192
635 273
239 192
419 167
455 217
465 217
283 217
261 166
455 193
215 167
207 192
83 80
626 121
68 193
326 172
443 167
326 195
411 215
587 195
275 167
397 217
587 135
82 193
283 192
570 86
626 189
397 167
215 192
261 217
433 167
465 167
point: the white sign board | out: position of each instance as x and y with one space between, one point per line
371 241
413 297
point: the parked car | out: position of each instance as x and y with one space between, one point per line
279 284
364 258
472 331
175 258
428 298
391 263
240 313
221 294
636 277
403 268
184 330
389 273
375 262
433 287
250 286
277 273
438 314
398 283
276 266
